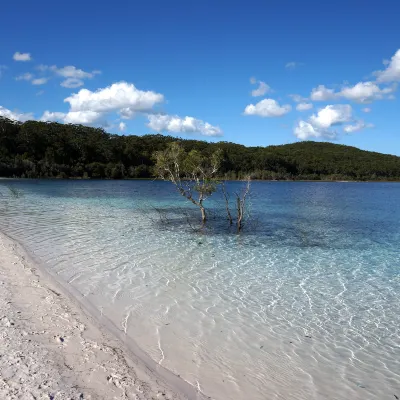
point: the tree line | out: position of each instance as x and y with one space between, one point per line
35 149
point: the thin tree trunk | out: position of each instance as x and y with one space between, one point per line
241 204
227 204
203 214
240 214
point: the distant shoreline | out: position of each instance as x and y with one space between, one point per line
228 180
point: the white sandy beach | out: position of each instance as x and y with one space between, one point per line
51 349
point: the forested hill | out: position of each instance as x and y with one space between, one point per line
50 150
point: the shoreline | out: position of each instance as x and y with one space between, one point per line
48 328
227 180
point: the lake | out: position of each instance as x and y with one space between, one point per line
304 304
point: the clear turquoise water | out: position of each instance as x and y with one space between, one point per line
303 305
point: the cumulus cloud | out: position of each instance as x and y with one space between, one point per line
332 115
322 93
362 93
127 113
49 116
262 89
84 117
369 91
90 108
72 83
40 81
305 130
119 96
15 115
365 92
22 56
24 77
392 71
175 124
319 124
267 108
75 117
358 126
366 110
304 106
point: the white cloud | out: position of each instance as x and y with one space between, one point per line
52 116
92 108
319 124
321 93
74 77
88 108
305 130
72 72
365 92
362 92
24 77
15 115
40 81
74 117
392 71
261 90
127 113
72 83
332 115
118 96
84 117
175 124
297 98
40 92
304 106
366 110
267 108
22 56
253 80
293 65
358 126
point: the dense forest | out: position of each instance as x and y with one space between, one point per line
51 150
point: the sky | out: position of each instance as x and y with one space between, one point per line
257 73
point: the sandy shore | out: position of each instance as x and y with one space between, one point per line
50 348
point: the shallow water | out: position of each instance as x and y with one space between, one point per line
303 305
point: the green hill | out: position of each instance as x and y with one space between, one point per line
47 150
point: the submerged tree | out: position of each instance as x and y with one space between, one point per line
240 204
193 173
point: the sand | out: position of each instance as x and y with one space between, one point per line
51 348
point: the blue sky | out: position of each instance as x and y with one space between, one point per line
254 72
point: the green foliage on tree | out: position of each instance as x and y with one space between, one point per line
193 173
51 150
